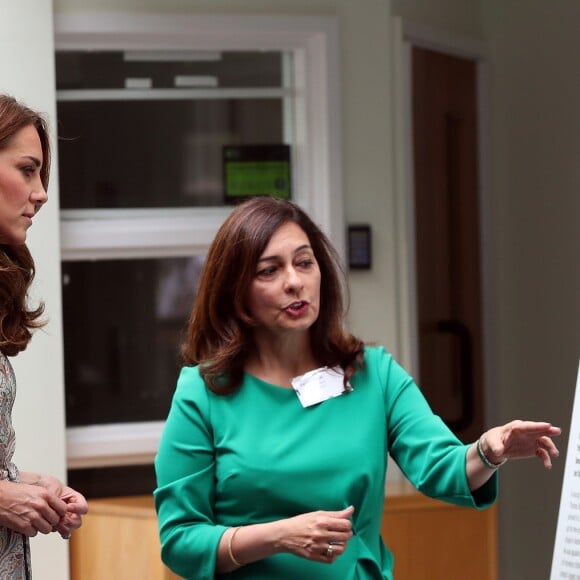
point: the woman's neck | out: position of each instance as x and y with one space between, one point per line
279 361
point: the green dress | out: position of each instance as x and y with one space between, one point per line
258 456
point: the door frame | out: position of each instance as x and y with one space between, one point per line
405 36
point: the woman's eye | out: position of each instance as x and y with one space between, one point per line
29 170
267 271
306 263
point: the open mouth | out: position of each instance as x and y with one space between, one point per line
296 306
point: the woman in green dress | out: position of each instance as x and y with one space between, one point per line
273 460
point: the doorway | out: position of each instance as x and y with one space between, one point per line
447 238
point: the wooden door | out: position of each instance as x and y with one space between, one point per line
446 180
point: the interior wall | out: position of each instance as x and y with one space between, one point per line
534 46
459 17
535 212
27 73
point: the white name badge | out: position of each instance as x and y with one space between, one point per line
319 385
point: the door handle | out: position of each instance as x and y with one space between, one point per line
460 330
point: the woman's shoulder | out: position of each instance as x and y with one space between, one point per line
374 354
190 383
379 362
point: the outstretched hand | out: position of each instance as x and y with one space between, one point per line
521 439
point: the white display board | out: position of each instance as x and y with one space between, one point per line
566 558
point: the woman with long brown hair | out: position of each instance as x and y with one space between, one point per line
29 502
273 459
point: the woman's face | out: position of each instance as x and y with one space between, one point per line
21 191
284 295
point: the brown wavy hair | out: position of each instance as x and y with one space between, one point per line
17 319
219 333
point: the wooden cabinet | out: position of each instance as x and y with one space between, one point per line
118 541
431 540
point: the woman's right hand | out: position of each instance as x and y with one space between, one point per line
320 536
29 509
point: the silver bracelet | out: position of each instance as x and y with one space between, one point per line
484 458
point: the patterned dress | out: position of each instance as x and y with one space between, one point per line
14 547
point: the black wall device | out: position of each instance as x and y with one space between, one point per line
359 247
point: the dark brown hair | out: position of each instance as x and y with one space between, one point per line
17 320
219 333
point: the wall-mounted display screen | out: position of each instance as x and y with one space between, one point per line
253 170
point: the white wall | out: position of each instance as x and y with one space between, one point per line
26 72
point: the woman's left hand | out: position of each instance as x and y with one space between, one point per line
520 439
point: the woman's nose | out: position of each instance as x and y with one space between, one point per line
38 196
293 279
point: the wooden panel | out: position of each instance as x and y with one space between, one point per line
433 540
118 539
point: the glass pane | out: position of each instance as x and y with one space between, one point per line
139 148
167 69
123 326
151 154
113 481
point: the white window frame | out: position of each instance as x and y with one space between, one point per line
316 158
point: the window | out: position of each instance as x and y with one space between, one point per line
121 361
146 106
148 128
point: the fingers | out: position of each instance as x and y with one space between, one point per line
544 457
548 445
337 534
533 428
321 536
64 531
345 513
80 507
40 521
57 505
73 521
520 439
43 512
546 449
333 551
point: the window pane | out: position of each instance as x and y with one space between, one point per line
123 326
138 148
113 481
167 69
116 154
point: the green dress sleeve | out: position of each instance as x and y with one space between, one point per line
425 449
184 498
